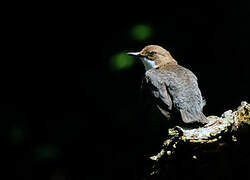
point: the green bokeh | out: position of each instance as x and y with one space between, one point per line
121 61
17 135
141 32
47 152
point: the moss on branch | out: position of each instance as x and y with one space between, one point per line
209 138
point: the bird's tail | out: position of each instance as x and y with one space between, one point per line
190 117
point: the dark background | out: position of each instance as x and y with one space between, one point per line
65 114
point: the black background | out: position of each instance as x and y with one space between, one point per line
58 94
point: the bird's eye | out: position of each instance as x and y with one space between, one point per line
151 53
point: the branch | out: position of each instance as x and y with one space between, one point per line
209 138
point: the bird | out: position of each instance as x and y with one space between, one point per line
173 87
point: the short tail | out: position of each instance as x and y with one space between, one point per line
189 117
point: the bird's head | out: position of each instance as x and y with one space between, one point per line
154 56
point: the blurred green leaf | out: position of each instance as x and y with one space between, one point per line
141 32
47 152
121 61
17 135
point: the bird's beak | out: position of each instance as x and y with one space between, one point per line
134 53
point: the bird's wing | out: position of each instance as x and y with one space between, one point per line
185 93
159 91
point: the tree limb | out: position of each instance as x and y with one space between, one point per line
209 138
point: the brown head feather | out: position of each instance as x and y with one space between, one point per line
158 54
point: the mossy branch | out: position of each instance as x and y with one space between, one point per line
209 138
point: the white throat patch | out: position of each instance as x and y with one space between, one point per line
148 63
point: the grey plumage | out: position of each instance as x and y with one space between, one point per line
174 88
177 88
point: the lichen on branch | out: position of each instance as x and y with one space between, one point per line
219 131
